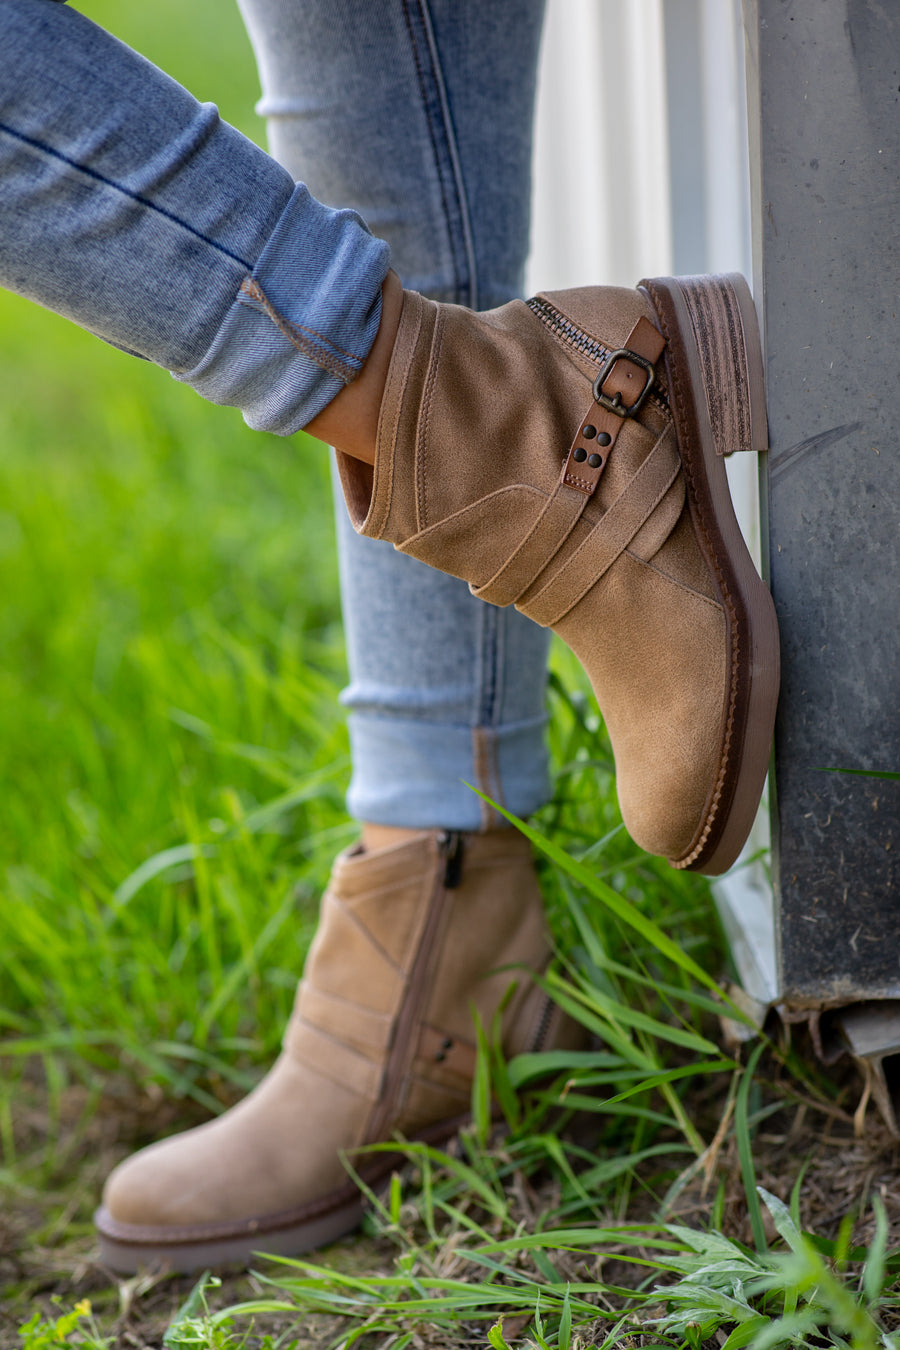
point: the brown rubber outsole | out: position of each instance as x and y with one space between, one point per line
712 344
184 1248
128 1248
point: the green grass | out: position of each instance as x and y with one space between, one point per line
172 651
172 648
174 765
171 750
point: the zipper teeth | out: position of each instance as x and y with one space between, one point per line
543 1026
563 328
449 849
570 335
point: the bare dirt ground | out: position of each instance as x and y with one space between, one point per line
48 1259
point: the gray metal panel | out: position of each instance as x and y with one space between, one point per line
827 219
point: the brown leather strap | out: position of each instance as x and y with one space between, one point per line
585 462
545 538
610 536
599 429
338 1062
455 1055
363 1029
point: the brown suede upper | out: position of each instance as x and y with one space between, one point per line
381 1041
478 416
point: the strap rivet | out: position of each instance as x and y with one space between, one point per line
588 432
580 455
595 461
604 438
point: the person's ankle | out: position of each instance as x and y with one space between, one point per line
350 421
375 837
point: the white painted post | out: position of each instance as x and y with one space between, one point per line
660 91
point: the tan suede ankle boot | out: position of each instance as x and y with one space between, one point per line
381 1043
566 455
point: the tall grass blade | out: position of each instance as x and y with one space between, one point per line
745 1151
564 1333
622 908
874 1269
193 1306
157 865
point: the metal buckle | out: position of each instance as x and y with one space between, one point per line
615 405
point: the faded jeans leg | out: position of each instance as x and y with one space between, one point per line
419 116
133 210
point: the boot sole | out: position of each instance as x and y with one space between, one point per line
712 338
184 1248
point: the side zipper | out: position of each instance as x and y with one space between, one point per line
571 337
451 847
543 1026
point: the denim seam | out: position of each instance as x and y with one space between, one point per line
487 770
490 706
442 124
499 665
485 709
306 340
132 196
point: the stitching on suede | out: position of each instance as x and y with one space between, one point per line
432 530
387 436
424 422
570 566
366 931
396 403
544 518
659 496
711 556
666 576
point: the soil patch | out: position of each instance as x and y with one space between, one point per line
48 1257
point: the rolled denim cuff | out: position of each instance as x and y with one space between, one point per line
416 774
302 323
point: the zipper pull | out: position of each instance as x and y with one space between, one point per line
451 845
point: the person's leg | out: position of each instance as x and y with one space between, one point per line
457 423
444 690
640 566
419 115
133 210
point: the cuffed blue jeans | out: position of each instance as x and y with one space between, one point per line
132 209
